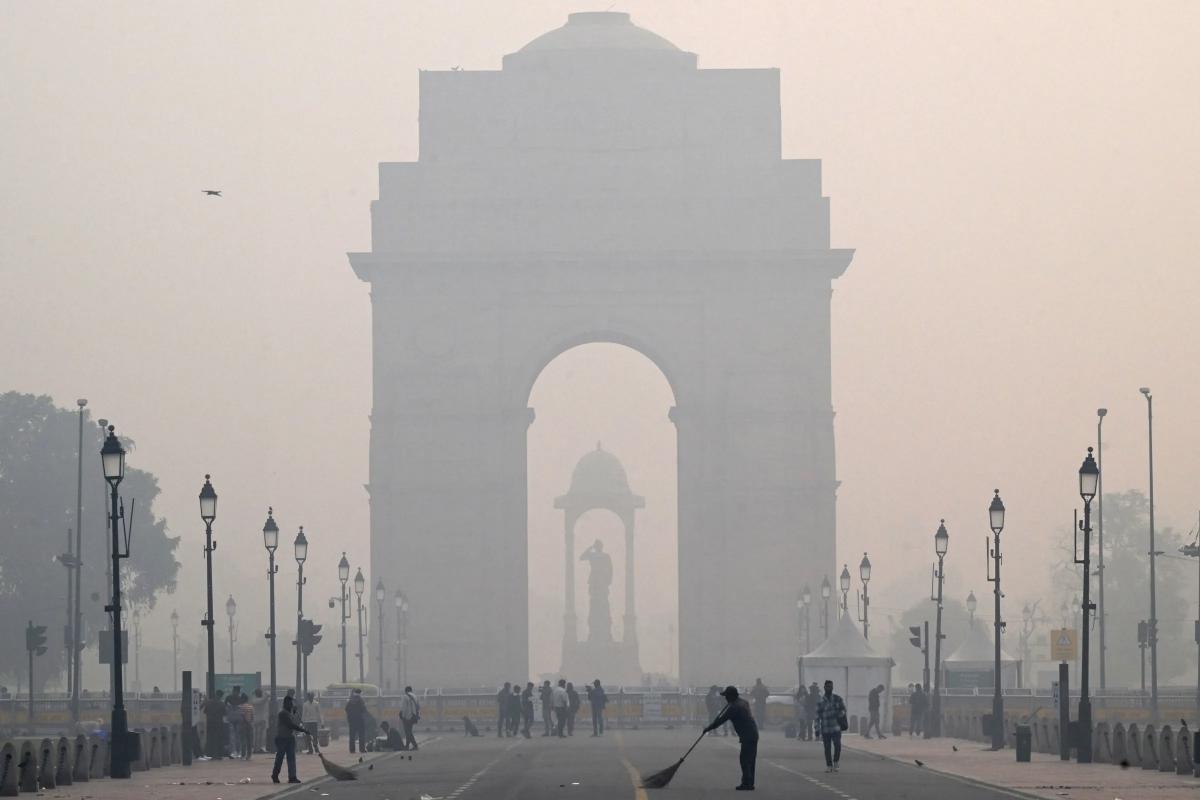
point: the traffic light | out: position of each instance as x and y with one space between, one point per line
309 636
35 639
1143 633
915 639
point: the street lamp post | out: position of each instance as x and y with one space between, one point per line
941 543
300 548
996 519
1089 479
343 576
77 613
360 585
208 513
1100 414
844 585
175 651
271 542
806 599
401 611
972 604
231 610
137 653
112 457
864 574
1152 633
826 592
1194 550
380 594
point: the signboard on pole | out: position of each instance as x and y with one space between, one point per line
246 681
1064 645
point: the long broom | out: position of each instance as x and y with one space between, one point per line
660 779
335 771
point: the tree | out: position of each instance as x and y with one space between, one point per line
1127 593
38 472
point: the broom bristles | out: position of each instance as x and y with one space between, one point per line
336 772
660 779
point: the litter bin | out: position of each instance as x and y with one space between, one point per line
1024 742
323 737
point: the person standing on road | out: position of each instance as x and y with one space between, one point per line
410 715
916 703
526 709
503 701
246 727
810 710
561 704
759 693
356 720
803 724
873 708
310 720
285 741
737 712
572 708
515 711
831 721
214 719
599 700
546 695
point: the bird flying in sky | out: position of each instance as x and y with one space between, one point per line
212 192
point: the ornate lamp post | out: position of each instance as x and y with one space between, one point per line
271 542
806 599
175 651
941 543
1152 631
360 586
77 638
300 548
972 604
1100 414
401 633
844 585
231 610
864 574
380 594
208 513
1089 479
343 576
996 519
112 458
826 592
1075 608
137 653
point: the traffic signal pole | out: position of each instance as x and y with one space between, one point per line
35 644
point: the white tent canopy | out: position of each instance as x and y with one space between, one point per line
847 659
972 664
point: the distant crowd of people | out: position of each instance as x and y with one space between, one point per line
516 708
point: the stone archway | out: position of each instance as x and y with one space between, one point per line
601 187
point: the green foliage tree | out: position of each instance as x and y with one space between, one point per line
38 472
1127 592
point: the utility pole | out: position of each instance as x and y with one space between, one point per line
77 622
1100 414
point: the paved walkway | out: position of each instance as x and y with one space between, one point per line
1045 776
205 780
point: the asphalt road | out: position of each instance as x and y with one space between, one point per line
585 768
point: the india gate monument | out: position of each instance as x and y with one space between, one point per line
600 187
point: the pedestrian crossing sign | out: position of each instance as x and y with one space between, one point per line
1063 645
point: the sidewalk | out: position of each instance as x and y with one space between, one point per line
228 779
1045 776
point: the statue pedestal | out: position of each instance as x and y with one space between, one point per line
614 663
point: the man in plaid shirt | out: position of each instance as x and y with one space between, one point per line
831 709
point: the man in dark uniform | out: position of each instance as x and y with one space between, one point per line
737 713
503 701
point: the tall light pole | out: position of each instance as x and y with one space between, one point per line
996 519
300 549
1100 414
175 651
1026 631
401 614
360 586
806 599
380 595
231 610
112 458
343 576
941 543
972 604
826 593
1089 480
137 652
208 513
1152 633
844 585
76 656
1194 550
864 574
271 542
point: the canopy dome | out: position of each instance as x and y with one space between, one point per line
599 472
599 30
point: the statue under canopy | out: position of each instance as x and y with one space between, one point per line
600 577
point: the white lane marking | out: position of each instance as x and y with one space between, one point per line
472 780
805 775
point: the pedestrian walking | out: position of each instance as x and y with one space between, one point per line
285 741
561 704
310 720
803 724
503 702
916 711
246 727
759 693
737 712
873 710
410 715
546 695
810 710
598 700
831 720
356 720
572 708
261 723
526 709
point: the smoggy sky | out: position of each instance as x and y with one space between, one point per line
1020 181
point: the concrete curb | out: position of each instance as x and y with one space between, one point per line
953 775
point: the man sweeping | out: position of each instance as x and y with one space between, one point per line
737 713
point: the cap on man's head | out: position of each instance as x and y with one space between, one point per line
730 693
